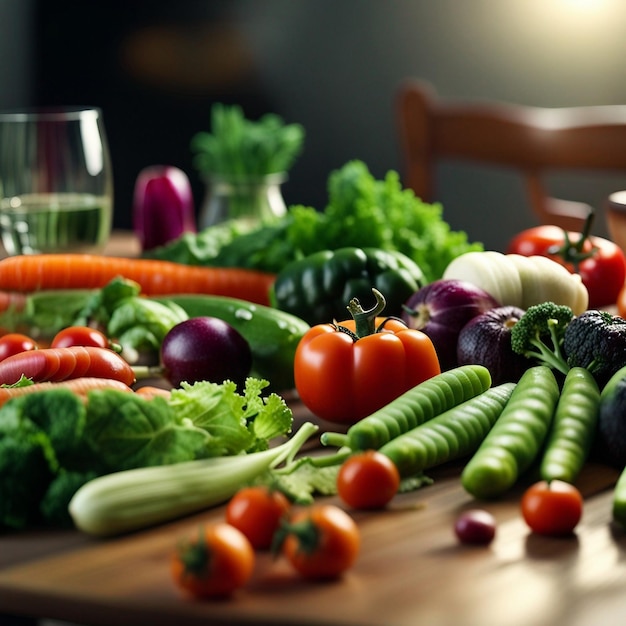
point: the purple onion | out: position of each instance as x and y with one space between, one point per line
163 206
205 348
441 309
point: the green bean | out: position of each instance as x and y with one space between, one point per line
414 407
573 427
454 433
517 436
619 500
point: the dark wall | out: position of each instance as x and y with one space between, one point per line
156 67
142 63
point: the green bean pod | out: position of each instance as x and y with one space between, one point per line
418 405
517 436
454 433
619 500
573 427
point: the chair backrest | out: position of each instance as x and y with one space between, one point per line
533 140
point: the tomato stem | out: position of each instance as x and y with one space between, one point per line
195 555
365 320
306 532
572 252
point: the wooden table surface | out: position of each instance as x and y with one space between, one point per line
411 571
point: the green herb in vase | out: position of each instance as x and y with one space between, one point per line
244 162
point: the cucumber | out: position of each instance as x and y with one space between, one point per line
273 335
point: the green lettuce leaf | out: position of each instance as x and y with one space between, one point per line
128 431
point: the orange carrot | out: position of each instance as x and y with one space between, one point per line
35 272
79 386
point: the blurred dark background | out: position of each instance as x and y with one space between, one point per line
155 68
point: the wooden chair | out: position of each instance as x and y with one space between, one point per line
532 140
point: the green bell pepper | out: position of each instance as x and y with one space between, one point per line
319 287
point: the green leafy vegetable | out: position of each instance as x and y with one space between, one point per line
51 442
239 148
137 323
361 212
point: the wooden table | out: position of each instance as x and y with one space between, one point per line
411 571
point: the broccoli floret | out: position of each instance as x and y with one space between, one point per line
55 502
596 340
539 334
24 478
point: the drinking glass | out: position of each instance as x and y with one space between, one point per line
56 187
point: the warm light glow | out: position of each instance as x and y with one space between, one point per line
585 5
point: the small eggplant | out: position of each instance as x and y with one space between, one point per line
441 309
486 340
163 206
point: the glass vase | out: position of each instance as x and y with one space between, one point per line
248 200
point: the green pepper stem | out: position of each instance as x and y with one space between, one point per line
365 320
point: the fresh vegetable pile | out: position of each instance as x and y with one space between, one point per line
362 212
423 347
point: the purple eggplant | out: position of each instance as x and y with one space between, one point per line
441 309
163 206
486 340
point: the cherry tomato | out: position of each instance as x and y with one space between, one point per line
475 526
603 272
215 563
79 336
368 480
342 380
321 542
14 343
553 508
257 513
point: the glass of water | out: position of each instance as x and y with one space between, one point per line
56 186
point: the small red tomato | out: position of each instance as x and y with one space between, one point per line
79 336
320 542
475 526
215 563
553 508
14 343
368 480
257 513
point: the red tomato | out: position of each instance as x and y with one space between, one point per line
14 343
553 508
79 336
257 513
321 542
368 480
215 563
342 380
603 272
